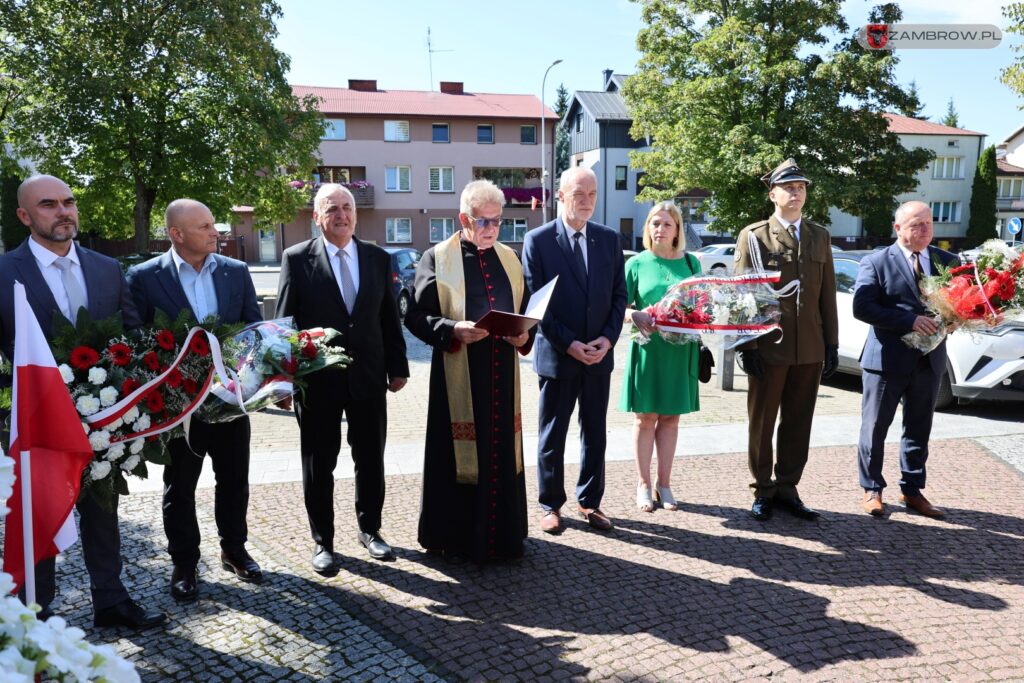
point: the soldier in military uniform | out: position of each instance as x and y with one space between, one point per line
784 374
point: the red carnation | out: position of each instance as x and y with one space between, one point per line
174 378
151 361
130 385
190 386
290 366
199 345
83 357
120 354
165 339
154 401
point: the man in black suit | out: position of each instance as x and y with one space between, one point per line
62 277
888 298
339 281
190 276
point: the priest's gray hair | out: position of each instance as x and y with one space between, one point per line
478 193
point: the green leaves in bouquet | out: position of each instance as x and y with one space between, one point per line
155 453
85 332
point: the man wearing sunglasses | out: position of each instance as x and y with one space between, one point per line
572 349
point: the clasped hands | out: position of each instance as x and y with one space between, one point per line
590 353
467 332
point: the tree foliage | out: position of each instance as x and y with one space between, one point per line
982 225
951 119
728 90
138 102
913 107
561 136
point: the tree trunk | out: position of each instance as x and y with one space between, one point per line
144 198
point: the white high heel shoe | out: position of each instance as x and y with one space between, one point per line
663 494
644 502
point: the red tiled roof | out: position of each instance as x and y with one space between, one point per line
1006 168
906 124
422 103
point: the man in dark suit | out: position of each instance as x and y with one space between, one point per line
887 297
572 352
190 276
62 277
342 282
784 369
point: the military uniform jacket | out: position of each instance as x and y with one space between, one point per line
809 326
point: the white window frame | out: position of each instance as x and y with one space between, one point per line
519 226
947 212
447 229
396 131
484 125
393 179
392 228
948 168
441 179
531 126
335 130
1015 185
448 131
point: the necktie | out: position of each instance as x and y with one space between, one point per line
76 296
577 252
918 270
348 289
791 229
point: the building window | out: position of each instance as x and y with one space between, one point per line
440 133
947 167
485 134
399 230
945 212
441 229
335 130
396 131
1009 188
527 135
442 179
332 174
579 122
620 178
396 179
512 230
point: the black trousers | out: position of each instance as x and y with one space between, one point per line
319 417
227 444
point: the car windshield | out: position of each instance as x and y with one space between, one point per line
706 250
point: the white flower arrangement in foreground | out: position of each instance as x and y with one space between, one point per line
29 646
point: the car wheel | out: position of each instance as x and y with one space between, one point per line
403 304
719 269
944 398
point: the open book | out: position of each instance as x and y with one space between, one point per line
502 324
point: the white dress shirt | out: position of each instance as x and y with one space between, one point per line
199 289
926 266
352 261
51 274
583 242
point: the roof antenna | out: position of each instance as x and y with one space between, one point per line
430 58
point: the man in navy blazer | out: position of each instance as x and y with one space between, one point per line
572 352
47 206
191 276
888 298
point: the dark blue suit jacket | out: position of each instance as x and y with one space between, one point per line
578 311
155 285
105 288
886 297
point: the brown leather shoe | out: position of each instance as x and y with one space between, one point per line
551 522
596 519
873 504
921 506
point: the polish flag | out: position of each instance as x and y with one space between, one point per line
45 424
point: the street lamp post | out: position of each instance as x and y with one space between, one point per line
543 155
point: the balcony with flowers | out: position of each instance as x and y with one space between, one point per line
351 178
521 186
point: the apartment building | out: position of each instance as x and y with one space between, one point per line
1010 182
406 155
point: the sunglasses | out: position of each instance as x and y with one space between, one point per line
485 222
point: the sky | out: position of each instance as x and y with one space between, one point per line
506 48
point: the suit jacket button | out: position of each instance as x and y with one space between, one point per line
351 325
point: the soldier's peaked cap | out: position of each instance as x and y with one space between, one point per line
786 172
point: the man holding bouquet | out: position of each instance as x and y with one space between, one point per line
191 276
887 297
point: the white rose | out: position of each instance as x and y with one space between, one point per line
87 405
131 463
66 373
99 469
108 396
142 424
97 376
99 440
115 452
135 446
115 425
131 415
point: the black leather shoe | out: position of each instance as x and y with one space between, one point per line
796 507
184 583
128 613
761 509
323 559
241 563
376 545
44 614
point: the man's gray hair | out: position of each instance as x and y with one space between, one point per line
571 174
326 190
478 193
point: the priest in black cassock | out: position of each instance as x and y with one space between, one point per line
474 491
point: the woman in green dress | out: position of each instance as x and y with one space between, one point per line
661 379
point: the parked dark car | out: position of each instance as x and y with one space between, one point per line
403 275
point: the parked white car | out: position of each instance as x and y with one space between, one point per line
716 256
987 365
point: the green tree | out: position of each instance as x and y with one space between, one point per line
138 102
982 225
728 90
561 136
913 106
951 118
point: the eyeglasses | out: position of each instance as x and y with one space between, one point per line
485 222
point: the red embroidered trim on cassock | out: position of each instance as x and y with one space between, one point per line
463 431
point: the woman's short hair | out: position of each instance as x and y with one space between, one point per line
671 209
478 193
